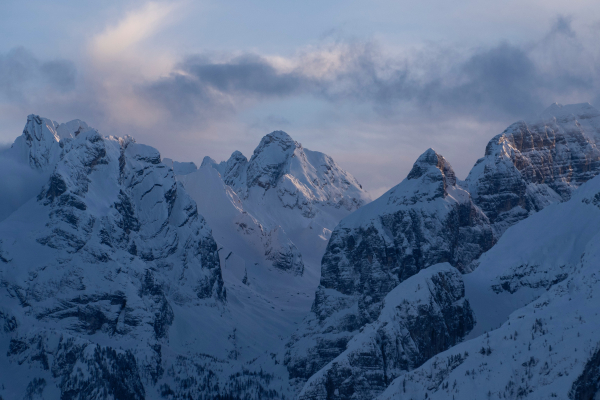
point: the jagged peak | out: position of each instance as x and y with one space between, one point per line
280 136
430 156
554 113
237 156
39 129
39 144
279 141
72 128
431 159
34 128
208 161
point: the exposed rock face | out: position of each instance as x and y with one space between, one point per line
282 252
587 385
534 164
425 220
424 315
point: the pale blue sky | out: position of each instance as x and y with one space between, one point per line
372 83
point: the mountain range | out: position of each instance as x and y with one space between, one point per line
124 275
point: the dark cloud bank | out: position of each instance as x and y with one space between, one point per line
504 81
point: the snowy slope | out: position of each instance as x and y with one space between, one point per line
262 268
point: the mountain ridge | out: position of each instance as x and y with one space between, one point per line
131 276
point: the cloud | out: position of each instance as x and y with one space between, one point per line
60 74
562 26
504 81
136 26
248 74
500 80
23 75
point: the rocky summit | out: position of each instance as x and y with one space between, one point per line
533 164
124 275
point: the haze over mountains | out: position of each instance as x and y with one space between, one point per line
128 276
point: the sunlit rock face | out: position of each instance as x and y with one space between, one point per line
534 164
427 219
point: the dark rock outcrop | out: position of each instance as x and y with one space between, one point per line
587 385
423 316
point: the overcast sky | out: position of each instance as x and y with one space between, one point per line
371 83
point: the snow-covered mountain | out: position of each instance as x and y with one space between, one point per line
422 316
104 272
124 276
110 270
27 164
302 191
532 293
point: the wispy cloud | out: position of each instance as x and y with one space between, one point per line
136 26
